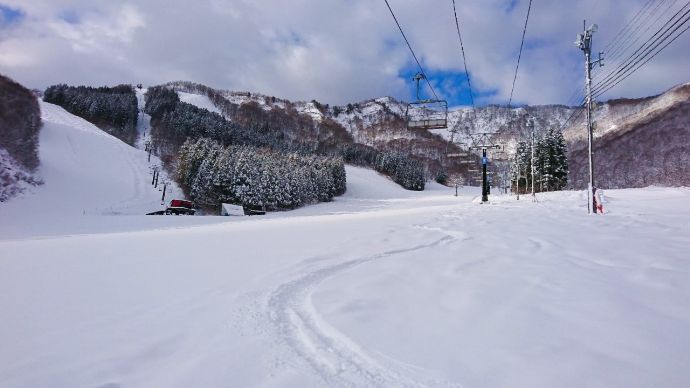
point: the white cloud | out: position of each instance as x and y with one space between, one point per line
335 51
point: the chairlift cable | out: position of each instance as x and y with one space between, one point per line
522 43
464 59
421 69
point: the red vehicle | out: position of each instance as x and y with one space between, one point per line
180 206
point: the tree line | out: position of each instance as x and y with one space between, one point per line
550 163
20 124
113 109
212 173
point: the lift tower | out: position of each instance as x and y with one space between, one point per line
482 141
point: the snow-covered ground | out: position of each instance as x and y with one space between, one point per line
87 173
380 288
198 100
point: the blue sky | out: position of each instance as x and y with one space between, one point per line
334 51
9 15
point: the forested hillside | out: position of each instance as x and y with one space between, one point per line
113 109
378 125
652 151
212 174
282 130
20 123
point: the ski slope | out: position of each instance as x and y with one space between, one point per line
198 100
380 288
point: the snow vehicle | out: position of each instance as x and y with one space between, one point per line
180 206
250 210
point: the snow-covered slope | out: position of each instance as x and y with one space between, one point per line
198 100
408 289
86 172
616 115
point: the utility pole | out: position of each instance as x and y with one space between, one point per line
517 174
584 43
530 124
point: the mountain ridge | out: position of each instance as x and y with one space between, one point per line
379 123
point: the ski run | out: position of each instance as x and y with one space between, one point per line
381 287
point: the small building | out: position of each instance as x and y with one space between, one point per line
227 209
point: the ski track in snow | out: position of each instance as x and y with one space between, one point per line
339 361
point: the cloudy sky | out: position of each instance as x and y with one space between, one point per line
335 51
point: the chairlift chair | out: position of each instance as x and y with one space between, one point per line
426 113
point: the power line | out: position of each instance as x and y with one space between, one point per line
577 111
634 36
522 43
622 33
621 36
617 46
642 47
646 49
643 63
411 50
614 57
464 60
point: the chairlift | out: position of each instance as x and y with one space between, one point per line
426 114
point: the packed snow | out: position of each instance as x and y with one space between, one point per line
200 101
380 288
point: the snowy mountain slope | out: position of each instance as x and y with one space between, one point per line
424 289
85 172
617 115
638 143
198 100
372 122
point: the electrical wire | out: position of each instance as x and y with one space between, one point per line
578 111
612 45
613 58
635 35
643 63
618 38
421 69
522 43
646 49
